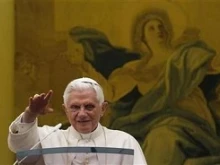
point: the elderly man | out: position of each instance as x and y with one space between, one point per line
84 105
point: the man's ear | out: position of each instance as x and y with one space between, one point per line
104 107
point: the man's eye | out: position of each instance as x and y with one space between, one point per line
74 107
89 107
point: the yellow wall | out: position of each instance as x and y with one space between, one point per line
6 73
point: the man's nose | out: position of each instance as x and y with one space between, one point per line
82 111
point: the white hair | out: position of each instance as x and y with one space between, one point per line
83 84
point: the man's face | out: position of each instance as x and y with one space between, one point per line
83 110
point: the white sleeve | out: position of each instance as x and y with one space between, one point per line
17 127
22 136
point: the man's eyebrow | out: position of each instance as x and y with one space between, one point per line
90 83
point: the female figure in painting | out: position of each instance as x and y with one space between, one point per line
171 120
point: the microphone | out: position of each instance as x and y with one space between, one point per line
54 130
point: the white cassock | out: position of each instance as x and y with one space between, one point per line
23 136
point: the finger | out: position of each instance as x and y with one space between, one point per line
30 100
42 95
36 95
46 110
48 95
50 110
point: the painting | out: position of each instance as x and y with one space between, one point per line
157 61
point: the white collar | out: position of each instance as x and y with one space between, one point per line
75 134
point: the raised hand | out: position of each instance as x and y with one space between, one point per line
38 105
